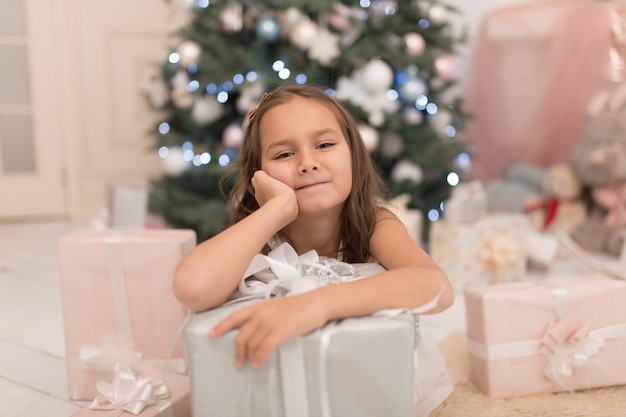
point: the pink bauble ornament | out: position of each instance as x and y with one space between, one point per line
232 17
415 44
232 136
438 14
444 66
413 116
340 19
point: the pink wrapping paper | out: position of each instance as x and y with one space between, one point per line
535 68
507 323
177 404
118 304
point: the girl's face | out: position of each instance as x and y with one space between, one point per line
302 145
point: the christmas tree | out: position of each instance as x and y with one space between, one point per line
389 62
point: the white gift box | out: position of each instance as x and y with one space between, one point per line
467 203
353 368
357 367
489 250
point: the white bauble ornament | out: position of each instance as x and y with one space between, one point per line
370 137
290 18
189 52
303 34
412 89
445 67
181 98
232 136
415 44
268 28
376 75
249 96
180 81
442 120
206 110
391 145
232 17
349 89
174 163
437 14
325 47
407 171
376 117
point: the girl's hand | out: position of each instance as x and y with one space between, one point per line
267 324
267 188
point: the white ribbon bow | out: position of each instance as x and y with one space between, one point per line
567 348
93 357
283 272
127 393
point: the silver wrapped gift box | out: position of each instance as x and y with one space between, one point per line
357 367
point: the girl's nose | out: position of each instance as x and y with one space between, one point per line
308 163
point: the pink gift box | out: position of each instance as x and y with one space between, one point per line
546 336
176 404
118 304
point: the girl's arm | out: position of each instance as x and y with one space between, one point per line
208 274
412 280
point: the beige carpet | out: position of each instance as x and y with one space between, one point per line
466 400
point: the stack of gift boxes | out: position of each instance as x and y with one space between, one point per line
124 330
121 320
527 333
132 348
475 246
560 334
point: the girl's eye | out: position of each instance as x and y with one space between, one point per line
283 155
325 145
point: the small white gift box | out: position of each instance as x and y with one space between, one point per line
489 250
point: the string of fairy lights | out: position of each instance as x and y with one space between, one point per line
376 87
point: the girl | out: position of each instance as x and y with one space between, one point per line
305 177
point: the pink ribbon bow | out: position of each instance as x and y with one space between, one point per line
127 393
567 347
613 198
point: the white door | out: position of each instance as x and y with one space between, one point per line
73 119
30 139
109 49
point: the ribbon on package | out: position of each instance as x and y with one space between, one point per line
131 394
283 273
121 349
566 345
499 252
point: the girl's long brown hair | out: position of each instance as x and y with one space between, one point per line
368 190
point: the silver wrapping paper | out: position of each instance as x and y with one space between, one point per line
368 364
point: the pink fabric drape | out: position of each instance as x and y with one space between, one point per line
534 69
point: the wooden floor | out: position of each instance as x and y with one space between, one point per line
32 350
